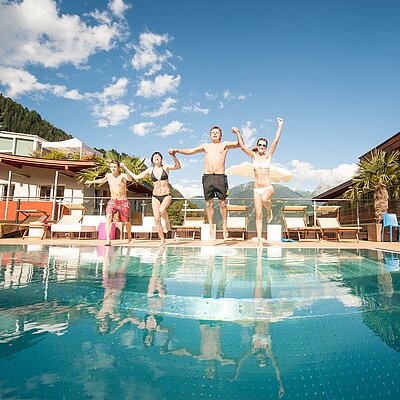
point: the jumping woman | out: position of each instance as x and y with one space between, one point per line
263 189
161 197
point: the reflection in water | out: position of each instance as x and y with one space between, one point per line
261 342
153 320
210 346
159 320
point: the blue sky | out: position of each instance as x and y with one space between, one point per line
147 75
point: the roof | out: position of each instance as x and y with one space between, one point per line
61 165
71 167
70 145
391 144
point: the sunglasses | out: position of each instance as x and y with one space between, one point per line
262 145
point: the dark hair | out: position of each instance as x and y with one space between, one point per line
258 141
155 154
216 127
114 162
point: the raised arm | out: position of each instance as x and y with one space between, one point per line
177 164
241 143
100 181
134 176
188 152
277 136
129 173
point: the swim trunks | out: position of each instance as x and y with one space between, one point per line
215 185
122 207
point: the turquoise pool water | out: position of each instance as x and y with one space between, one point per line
198 323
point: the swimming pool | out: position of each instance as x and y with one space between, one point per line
211 322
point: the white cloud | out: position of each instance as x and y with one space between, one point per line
161 85
111 115
210 96
143 128
304 171
190 190
18 81
195 108
226 94
172 128
167 106
34 32
249 134
114 91
118 7
147 57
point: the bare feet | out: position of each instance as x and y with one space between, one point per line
225 232
162 243
259 242
107 244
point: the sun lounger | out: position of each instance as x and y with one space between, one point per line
297 224
237 223
191 225
148 227
329 224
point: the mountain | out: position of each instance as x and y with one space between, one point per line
243 194
321 189
16 118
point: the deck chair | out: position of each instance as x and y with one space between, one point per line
237 223
191 225
67 224
34 223
329 224
147 227
297 224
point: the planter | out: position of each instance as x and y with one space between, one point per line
374 232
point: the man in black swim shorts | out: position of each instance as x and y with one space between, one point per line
215 182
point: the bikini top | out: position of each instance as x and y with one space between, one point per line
163 177
266 164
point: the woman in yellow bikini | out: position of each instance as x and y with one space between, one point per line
263 189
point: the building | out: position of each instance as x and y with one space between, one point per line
364 212
37 183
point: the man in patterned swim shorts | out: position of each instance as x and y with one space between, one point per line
119 202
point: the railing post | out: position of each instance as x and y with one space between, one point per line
8 194
315 212
358 213
53 209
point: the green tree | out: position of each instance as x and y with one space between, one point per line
135 164
377 172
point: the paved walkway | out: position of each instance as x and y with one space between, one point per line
346 244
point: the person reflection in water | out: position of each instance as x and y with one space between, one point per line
152 322
114 280
210 331
261 343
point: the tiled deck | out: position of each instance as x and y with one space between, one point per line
346 244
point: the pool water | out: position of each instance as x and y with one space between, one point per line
212 322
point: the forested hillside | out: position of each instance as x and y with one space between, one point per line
15 118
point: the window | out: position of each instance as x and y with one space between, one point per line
4 191
24 147
47 191
6 145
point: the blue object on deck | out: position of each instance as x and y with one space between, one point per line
287 240
390 221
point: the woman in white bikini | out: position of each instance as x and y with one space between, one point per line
161 198
263 189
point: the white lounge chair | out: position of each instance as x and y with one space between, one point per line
331 224
148 226
77 224
297 224
237 223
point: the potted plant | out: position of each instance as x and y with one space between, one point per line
377 172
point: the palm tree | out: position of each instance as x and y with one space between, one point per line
135 164
377 172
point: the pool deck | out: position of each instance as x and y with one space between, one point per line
345 244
